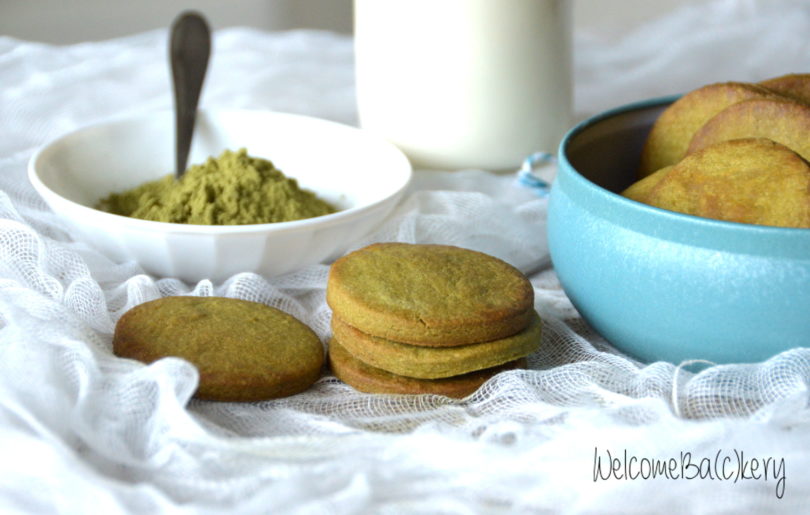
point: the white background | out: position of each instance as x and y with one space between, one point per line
72 21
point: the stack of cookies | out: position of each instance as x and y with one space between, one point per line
427 319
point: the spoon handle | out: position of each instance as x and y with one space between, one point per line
190 46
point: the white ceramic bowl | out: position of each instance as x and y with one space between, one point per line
361 174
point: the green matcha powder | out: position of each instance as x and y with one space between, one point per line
233 189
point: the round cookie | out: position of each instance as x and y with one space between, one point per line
669 137
749 180
369 379
795 85
244 351
435 362
640 190
781 120
429 294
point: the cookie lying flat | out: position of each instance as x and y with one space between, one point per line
435 362
432 295
244 351
369 379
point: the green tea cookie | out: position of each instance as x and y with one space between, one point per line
244 351
640 190
369 379
669 137
794 85
429 294
781 120
434 362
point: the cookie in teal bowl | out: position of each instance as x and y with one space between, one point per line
661 285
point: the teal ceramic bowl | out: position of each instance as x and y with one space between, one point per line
660 285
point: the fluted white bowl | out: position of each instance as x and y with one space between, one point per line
361 174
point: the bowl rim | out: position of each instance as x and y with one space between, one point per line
141 225
606 195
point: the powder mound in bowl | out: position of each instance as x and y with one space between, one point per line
232 189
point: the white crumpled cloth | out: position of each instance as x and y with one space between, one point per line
82 431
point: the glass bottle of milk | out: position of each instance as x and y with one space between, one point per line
465 83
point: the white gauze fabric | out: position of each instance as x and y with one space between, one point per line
82 431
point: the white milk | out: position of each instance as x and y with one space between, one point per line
464 83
